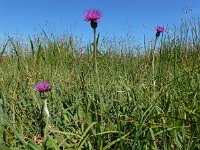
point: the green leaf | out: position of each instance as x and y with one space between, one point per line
115 141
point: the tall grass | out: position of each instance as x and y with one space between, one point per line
123 110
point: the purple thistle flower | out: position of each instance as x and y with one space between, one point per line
92 15
42 87
159 30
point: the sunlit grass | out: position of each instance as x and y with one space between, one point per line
119 110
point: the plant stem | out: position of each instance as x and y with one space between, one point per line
153 67
47 119
95 51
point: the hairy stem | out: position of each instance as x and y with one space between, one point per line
47 118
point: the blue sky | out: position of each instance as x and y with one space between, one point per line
25 17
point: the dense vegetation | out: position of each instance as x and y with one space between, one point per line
126 105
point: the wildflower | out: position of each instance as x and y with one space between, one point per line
159 30
92 15
42 87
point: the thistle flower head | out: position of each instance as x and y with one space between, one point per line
92 15
159 30
42 87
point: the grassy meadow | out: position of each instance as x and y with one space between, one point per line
149 99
